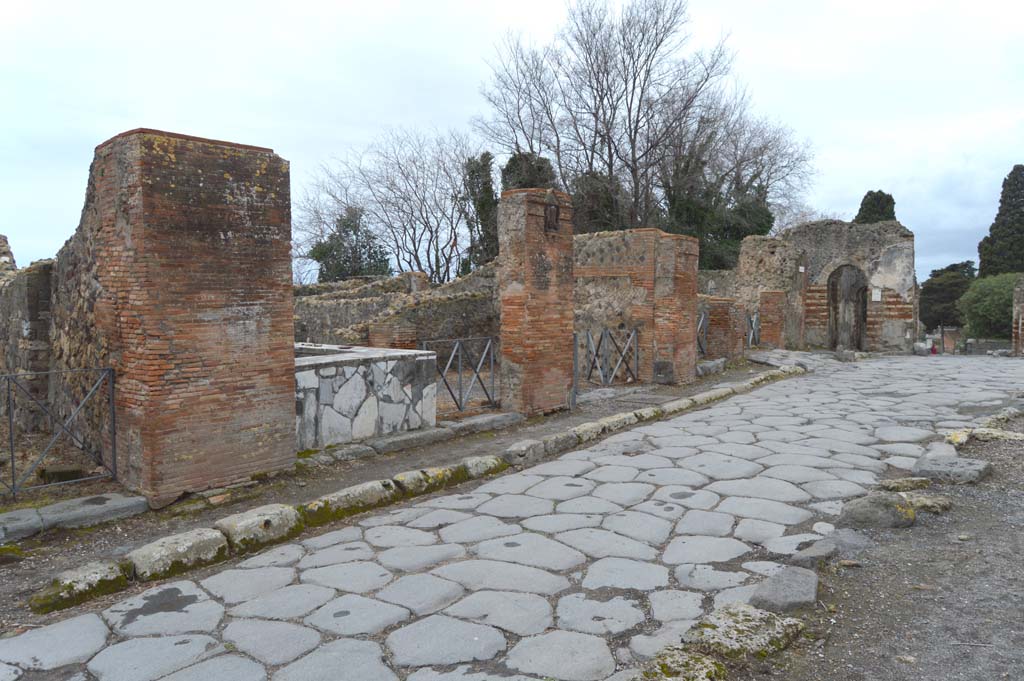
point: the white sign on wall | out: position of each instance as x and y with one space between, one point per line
876 294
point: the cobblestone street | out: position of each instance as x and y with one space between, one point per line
576 569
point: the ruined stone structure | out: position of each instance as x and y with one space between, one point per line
827 284
535 287
727 327
1018 318
179 278
25 350
641 279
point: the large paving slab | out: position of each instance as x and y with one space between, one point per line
576 569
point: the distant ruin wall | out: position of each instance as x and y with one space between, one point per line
179 277
1018 318
25 338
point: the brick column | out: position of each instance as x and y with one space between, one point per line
674 351
535 292
772 307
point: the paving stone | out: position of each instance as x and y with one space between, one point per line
674 453
671 604
55 645
9 673
614 474
720 466
706 523
348 534
900 449
645 646
903 434
905 463
351 615
761 488
286 603
804 460
764 509
790 544
576 612
516 506
531 549
701 499
561 488
588 505
736 436
439 518
624 573
827 507
388 536
235 586
624 493
841 447
86 511
477 529
740 451
517 483
758 531
662 509
271 643
736 594
341 660
703 550
560 522
789 589
499 576
145 659
175 608
395 517
641 461
339 553
561 467
24 522
440 639
222 668
359 577
598 543
673 476
518 613
834 489
423 594
416 558
458 502
957 471
563 655
707 578
856 476
857 437
166 555
280 556
640 526
763 567
463 673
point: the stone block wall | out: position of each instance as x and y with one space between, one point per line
356 393
179 277
1018 318
641 279
727 325
535 293
25 337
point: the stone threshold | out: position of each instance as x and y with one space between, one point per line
248 531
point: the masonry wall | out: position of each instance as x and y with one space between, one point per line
25 339
1018 318
179 277
641 279
727 324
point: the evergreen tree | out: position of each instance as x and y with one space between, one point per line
876 207
482 216
526 170
940 293
351 250
1003 249
987 307
596 203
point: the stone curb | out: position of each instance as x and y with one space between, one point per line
81 512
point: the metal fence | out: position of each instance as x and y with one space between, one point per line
609 358
754 330
463 365
14 387
702 333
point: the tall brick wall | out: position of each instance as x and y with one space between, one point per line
816 314
535 293
25 344
727 325
773 309
641 279
889 320
179 276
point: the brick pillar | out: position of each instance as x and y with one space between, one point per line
181 273
675 308
726 327
772 307
535 292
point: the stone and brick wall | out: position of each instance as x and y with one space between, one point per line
354 393
179 276
535 293
641 279
1018 318
25 337
773 323
727 326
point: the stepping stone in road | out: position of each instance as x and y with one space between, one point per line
563 655
623 573
518 613
351 615
439 639
703 550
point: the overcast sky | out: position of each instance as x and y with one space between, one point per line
922 99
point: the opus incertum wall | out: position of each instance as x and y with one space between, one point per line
179 277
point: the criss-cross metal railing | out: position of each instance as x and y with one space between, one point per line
754 330
14 386
463 370
702 333
608 357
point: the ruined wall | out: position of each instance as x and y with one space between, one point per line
1018 318
535 290
179 277
727 325
404 308
641 279
25 335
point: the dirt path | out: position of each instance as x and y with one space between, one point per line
942 601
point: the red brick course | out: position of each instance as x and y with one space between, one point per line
772 310
727 327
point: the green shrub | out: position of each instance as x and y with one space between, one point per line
987 307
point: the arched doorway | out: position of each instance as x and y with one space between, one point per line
847 308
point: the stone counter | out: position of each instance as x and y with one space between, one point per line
349 393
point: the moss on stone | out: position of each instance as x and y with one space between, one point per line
306 453
61 595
